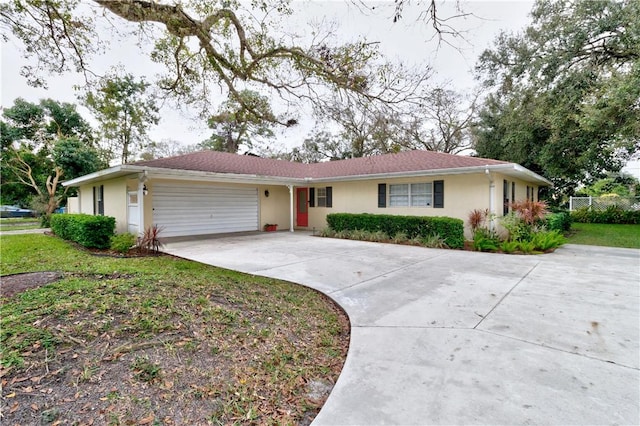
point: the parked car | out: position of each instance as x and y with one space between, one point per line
15 211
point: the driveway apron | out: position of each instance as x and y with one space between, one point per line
455 337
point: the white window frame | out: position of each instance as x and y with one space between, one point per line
321 197
407 194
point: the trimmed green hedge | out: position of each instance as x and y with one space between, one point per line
450 229
560 221
613 214
86 230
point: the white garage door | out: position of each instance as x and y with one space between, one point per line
204 209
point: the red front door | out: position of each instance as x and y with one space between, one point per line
302 209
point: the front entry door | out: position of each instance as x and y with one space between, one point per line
133 215
302 212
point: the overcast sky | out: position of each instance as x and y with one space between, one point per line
407 40
410 40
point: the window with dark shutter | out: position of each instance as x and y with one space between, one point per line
329 195
438 194
505 197
312 197
101 200
98 200
382 195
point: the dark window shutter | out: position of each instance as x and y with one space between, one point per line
438 194
329 190
101 201
513 192
382 195
505 197
95 202
312 197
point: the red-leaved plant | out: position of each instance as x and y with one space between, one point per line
530 211
477 218
150 240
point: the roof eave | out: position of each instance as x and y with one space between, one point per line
519 170
110 173
179 174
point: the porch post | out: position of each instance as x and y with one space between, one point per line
141 181
290 208
492 201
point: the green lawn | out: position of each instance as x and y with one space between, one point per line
598 234
16 224
160 340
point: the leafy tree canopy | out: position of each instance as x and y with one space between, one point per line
41 144
618 183
204 45
567 91
126 111
235 124
43 122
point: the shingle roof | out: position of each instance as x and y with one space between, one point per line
408 161
223 162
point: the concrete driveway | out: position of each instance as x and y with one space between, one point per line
454 337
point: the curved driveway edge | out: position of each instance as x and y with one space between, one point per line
455 337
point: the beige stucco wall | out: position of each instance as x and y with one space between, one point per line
85 199
275 208
73 205
115 201
520 193
462 194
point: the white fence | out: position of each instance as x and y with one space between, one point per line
602 203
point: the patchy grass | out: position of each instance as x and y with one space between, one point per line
19 224
160 340
610 235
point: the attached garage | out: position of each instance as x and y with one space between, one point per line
200 209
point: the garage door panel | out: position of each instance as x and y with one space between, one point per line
204 209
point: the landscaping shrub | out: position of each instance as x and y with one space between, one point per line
530 212
509 246
547 240
150 240
613 215
526 247
450 230
86 230
526 226
560 221
517 228
122 243
485 240
433 241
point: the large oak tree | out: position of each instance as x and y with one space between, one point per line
566 91
206 45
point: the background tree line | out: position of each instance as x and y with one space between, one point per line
561 97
